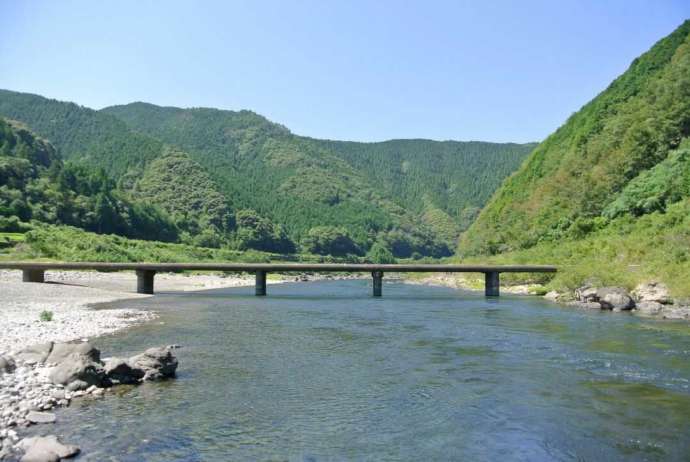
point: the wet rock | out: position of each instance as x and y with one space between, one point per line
46 449
156 363
62 351
40 417
648 308
120 371
615 298
7 365
35 354
78 372
652 292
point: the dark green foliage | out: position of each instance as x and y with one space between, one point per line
599 161
256 232
378 253
35 185
330 240
654 189
182 188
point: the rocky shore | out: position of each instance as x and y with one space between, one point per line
650 299
41 377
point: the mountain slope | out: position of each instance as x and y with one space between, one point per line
411 196
574 180
35 185
418 186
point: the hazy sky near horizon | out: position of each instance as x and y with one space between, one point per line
354 70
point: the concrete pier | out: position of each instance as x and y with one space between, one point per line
33 275
260 284
492 284
145 281
377 283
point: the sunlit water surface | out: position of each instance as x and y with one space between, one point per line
321 371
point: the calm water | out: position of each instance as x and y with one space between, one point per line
321 371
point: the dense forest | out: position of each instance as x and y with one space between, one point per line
206 168
609 191
35 185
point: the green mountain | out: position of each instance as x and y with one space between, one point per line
204 166
619 163
414 195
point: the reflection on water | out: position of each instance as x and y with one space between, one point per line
320 371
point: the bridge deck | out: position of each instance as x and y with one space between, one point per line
34 271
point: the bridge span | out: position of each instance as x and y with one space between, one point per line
35 271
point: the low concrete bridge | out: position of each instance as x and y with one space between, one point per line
34 272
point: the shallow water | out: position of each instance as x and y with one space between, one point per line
321 371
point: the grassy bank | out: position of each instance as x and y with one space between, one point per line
625 252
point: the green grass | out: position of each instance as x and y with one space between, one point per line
46 316
14 237
628 251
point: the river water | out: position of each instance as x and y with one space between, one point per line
321 371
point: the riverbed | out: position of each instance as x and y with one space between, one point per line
322 371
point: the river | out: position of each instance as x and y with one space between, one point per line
322 371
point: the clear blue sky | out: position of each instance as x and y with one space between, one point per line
357 70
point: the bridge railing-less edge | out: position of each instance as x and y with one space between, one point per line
35 271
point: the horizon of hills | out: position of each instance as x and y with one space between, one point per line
235 178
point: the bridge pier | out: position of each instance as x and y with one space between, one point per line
260 285
492 284
377 283
145 281
33 275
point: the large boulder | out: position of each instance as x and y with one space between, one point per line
6 364
156 363
46 449
62 351
615 298
652 292
35 354
77 372
119 370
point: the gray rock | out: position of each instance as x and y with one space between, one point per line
587 294
676 312
156 363
120 371
648 308
652 292
7 365
40 417
553 296
46 449
80 369
62 351
35 354
615 298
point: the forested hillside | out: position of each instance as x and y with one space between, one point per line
432 177
203 167
35 185
619 162
414 196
